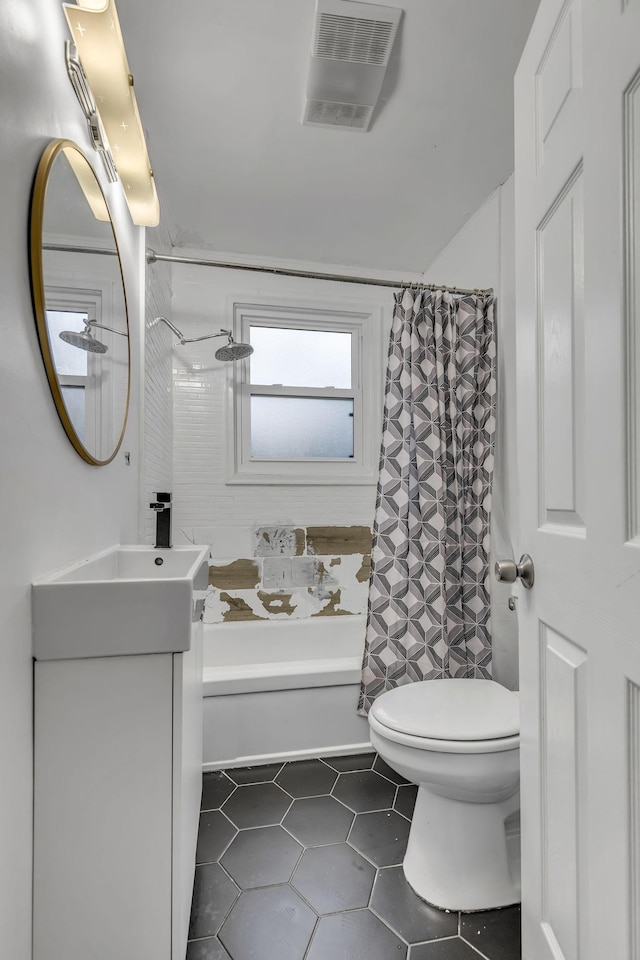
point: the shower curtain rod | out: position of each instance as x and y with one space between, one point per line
153 257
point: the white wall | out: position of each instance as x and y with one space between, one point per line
481 255
55 508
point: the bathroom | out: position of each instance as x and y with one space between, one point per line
59 509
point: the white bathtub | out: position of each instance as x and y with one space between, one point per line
280 690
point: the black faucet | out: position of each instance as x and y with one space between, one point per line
162 506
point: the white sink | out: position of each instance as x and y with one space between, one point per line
126 600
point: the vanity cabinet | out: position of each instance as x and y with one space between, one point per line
118 773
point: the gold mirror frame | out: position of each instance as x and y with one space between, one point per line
36 224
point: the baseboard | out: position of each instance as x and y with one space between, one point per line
337 751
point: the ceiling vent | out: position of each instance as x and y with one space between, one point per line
351 47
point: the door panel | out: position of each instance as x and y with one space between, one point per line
561 368
563 692
633 759
632 298
577 314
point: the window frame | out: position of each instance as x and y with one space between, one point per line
364 325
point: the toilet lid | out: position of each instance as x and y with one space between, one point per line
450 710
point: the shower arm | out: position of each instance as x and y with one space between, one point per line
182 339
94 323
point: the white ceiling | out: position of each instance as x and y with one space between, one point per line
220 87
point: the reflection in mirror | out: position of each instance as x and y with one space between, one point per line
80 302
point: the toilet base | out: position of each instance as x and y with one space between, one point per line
458 853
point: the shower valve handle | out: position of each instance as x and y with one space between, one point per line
508 571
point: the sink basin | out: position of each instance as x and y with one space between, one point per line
125 600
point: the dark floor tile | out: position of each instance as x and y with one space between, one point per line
355 936
216 787
272 923
454 949
406 799
359 761
381 837
410 917
210 949
495 933
334 878
267 771
381 767
213 895
364 790
306 778
214 835
317 820
257 858
257 805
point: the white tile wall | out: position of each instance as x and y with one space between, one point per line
203 501
158 386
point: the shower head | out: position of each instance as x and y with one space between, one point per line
233 350
230 351
83 340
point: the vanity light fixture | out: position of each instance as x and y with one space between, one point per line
105 82
85 99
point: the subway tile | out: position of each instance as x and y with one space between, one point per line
310 572
234 575
276 573
331 541
279 541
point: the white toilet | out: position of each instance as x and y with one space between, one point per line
459 741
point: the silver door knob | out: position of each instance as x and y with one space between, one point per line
508 571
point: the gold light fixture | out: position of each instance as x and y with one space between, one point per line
97 36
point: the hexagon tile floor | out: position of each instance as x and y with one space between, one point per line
302 861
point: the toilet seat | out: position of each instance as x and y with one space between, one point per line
450 716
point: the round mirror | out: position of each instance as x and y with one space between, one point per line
80 303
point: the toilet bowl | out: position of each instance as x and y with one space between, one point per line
459 741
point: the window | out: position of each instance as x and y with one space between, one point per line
79 372
306 404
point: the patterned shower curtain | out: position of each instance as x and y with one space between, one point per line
428 611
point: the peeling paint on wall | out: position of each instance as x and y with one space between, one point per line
331 609
237 610
363 574
234 574
276 602
291 575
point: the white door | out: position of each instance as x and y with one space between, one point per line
578 316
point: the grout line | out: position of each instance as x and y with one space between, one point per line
313 933
387 924
473 947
